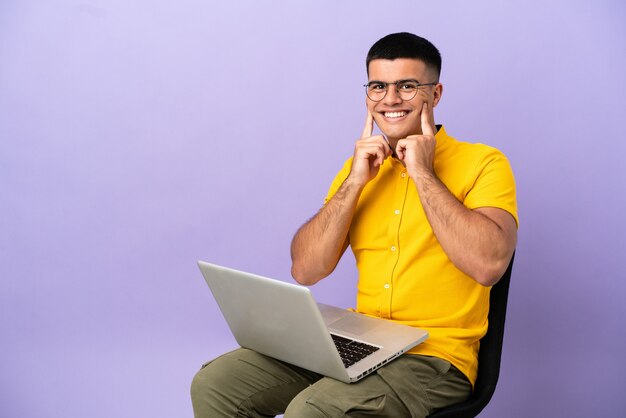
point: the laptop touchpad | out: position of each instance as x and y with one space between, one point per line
354 324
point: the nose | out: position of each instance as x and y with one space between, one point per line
393 96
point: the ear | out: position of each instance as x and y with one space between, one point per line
437 92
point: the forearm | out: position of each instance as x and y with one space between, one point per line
319 244
475 243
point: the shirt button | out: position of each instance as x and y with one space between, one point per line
387 286
397 212
393 248
403 174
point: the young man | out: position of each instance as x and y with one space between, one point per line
432 223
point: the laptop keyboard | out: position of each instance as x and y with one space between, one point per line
352 351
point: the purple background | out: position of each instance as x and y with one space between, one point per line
139 136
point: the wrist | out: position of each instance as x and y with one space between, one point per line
355 181
352 183
421 174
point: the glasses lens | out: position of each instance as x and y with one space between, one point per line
407 89
376 91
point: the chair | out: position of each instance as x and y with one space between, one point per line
488 356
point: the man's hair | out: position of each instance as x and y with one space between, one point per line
405 45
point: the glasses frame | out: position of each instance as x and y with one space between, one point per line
397 90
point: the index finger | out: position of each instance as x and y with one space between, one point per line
427 126
369 125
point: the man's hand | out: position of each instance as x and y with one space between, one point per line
417 152
369 154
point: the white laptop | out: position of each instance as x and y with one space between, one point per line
283 321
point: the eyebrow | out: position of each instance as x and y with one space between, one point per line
393 82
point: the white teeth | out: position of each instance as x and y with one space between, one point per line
394 114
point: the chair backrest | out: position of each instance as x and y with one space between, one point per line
488 356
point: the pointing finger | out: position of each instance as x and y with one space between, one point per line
427 126
369 125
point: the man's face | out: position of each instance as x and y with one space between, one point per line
395 117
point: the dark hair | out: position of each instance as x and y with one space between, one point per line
405 45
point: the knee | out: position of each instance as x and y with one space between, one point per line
213 377
201 391
201 383
209 396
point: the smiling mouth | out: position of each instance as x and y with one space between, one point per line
395 115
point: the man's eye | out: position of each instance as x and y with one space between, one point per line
407 86
377 86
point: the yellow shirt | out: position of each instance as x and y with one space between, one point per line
404 274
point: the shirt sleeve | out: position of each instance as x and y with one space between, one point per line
494 185
339 179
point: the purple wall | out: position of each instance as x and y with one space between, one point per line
139 136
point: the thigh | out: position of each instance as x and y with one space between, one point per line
246 383
411 386
369 397
426 383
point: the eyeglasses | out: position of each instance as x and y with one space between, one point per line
406 89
